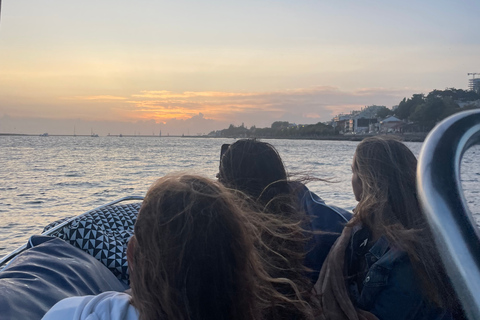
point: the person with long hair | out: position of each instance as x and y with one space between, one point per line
385 265
194 255
255 168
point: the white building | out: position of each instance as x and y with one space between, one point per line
365 120
474 84
391 124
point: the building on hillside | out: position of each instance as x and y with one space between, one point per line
364 121
474 84
358 122
339 122
391 124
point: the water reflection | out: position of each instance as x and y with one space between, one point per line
44 179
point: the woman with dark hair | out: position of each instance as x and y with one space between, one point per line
386 254
193 256
256 169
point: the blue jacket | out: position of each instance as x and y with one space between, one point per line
381 280
329 219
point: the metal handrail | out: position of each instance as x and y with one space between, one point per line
14 253
442 200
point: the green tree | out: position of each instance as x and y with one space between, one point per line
315 130
384 112
433 110
455 94
277 125
407 106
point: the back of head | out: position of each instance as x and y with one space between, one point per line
389 206
253 167
387 170
256 169
192 253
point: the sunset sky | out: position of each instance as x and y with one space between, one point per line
188 67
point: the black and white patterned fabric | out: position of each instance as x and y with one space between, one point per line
104 234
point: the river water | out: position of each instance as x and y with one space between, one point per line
44 179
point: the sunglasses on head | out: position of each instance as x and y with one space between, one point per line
224 149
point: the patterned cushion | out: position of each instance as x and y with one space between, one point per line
46 273
104 234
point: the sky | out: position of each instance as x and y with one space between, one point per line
190 67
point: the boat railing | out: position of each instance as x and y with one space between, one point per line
58 227
442 199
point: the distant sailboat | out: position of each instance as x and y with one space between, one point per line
94 135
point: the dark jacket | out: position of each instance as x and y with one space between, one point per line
381 280
328 219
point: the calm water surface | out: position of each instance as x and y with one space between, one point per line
47 178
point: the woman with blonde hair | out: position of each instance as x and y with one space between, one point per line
385 264
194 255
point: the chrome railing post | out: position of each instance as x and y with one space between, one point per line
441 196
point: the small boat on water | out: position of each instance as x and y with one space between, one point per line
85 255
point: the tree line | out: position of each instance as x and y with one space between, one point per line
421 110
279 129
427 110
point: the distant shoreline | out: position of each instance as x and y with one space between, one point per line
409 137
404 137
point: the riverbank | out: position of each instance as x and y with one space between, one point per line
410 137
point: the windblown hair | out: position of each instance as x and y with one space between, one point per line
195 255
256 169
389 206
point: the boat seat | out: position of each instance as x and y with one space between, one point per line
49 271
103 233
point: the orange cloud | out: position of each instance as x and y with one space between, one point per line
319 103
163 94
163 105
102 97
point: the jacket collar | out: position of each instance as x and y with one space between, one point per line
380 247
384 254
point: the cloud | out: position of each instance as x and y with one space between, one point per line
192 112
319 103
103 98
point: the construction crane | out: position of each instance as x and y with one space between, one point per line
469 74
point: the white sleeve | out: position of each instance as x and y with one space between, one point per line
106 306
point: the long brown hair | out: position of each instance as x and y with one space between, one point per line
389 207
256 169
195 255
